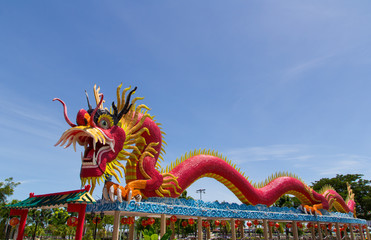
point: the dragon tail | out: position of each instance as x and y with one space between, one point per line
337 202
202 163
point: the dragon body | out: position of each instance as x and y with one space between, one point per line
127 132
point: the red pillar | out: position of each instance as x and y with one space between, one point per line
80 209
23 213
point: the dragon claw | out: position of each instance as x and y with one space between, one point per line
129 196
312 210
105 193
113 192
119 196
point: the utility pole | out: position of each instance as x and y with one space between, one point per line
201 191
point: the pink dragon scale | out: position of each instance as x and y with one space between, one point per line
127 132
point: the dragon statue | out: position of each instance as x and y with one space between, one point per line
127 132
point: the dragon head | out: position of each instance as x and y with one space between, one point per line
104 134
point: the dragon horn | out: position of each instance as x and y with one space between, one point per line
87 98
65 112
127 107
92 124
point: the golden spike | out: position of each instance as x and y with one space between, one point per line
118 169
136 99
134 148
89 181
92 188
118 96
168 180
137 126
159 193
165 191
140 132
109 171
122 166
83 181
170 186
123 96
143 108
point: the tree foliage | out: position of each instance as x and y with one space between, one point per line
361 189
7 189
287 201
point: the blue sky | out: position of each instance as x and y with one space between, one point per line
273 85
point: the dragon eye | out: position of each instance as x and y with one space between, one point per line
105 121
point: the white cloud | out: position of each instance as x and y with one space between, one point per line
309 162
265 153
306 66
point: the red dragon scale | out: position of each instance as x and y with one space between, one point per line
129 133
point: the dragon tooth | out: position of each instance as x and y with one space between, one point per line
94 157
74 144
112 146
70 140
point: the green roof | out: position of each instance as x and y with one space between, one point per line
61 199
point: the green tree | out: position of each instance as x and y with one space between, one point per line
6 190
58 222
37 221
361 189
185 195
287 201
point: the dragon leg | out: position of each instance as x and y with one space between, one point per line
148 180
313 209
126 193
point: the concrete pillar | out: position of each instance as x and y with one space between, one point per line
295 230
241 229
312 230
270 232
319 231
326 230
208 233
116 225
338 235
361 231
172 227
345 230
233 229
351 231
163 225
199 228
131 231
265 228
